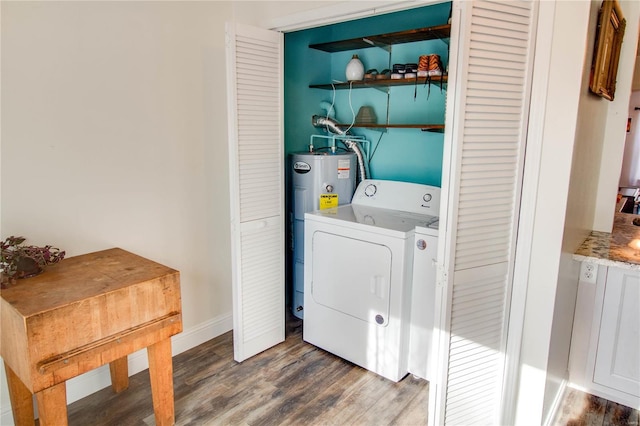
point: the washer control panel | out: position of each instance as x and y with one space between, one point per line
370 190
402 196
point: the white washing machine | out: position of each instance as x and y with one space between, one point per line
423 294
358 270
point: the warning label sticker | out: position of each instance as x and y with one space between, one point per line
344 168
328 201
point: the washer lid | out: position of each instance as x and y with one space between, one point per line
389 222
430 229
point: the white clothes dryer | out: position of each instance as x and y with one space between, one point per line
358 273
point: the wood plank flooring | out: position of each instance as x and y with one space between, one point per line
295 383
582 409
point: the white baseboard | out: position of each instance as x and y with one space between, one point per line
94 380
557 403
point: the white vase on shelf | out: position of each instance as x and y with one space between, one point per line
355 69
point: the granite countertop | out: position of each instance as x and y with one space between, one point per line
611 248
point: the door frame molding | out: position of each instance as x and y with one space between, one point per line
342 12
347 11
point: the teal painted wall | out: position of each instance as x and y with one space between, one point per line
409 155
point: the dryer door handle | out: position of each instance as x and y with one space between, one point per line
378 286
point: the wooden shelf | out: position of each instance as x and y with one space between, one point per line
437 128
383 40
387 82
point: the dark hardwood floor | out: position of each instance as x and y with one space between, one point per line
294 383
582 409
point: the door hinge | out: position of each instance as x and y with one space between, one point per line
441 275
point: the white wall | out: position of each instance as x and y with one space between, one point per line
569 25
581 199
616 124
114 134
576 162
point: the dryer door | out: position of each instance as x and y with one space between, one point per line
351 276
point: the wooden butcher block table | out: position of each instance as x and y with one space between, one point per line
82 313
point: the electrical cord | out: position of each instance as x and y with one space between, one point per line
353 113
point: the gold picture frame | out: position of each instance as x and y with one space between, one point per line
609 33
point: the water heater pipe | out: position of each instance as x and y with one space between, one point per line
331 126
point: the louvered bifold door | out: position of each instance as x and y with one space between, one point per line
487 153
255 97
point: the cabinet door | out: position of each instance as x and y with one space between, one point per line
256 187
618 354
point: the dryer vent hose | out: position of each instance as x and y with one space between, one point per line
331 126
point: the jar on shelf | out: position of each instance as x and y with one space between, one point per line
355 69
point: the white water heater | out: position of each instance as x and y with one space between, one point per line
319 180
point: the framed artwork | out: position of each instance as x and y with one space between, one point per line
609 33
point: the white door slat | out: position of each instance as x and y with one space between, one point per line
475 190
459 382
492 297
492 116
472 247
506 14
482 44
504 22
506 33
489 259
492 124
485 91
471 400
479 68
469 333
469 160
475 322
462 359
512 9
480 39
494 85
515 56
471 236
470 177
482 65
493 78
486 201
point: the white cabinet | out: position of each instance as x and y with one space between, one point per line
617 362
605 345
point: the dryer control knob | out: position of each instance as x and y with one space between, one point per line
427 197
421 244
329 188
370 190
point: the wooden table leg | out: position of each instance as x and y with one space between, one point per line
52 405
161 375
119 370
21 399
